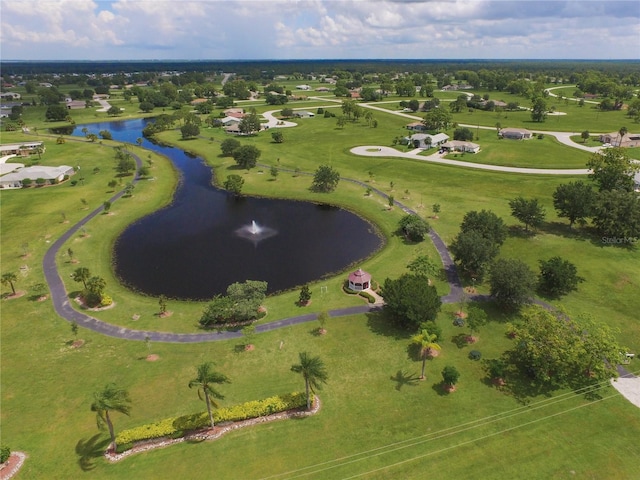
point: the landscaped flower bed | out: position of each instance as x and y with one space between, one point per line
177 428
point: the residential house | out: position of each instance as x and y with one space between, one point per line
234 112
303 87
233 129
303 114
227 121
51 175
460 146
76 104
416 127
626 140
323 89
425 140
9 96
515 133
22 149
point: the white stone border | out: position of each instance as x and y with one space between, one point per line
7 474
208 434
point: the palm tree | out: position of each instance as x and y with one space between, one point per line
203 381
9 278
426 342
622 132
110 398
314 373
81 274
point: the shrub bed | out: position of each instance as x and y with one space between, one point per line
368 296
175 427
5 453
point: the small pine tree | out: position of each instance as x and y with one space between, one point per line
305 295
74 329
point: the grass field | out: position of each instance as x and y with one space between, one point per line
376 422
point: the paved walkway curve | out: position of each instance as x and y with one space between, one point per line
62 302
379 151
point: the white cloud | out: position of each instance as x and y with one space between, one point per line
236 29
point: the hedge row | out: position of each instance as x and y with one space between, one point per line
5 453
368 296
176 426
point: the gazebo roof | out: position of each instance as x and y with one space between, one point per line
359 276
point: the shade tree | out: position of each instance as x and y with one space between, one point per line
528 211
234 184
325 179
450 376
558 277
613 169
616 216
557 351
474 253
246 156
512 283
413 227
410 300
423 265
574 201
228 146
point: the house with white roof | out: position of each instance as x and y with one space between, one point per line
515 133
51 175
23 149
460 146
426 140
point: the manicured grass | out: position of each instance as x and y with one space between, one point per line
370 401
534 153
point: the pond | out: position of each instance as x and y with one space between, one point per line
206 240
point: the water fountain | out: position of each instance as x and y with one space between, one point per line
255 232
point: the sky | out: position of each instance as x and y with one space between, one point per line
318 29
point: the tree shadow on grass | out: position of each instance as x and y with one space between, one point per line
518 231
380 324
403 378
90 450
439 389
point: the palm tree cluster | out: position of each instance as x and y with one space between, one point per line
114 399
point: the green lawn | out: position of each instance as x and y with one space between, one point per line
370 404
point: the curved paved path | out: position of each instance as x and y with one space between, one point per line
379 151
62 302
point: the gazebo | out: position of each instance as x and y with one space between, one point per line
359 280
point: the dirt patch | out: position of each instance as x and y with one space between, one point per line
165 314
471 339
461 314
449 388
13 296
249 348
42 298
322 331
433 353
77 343
152 358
